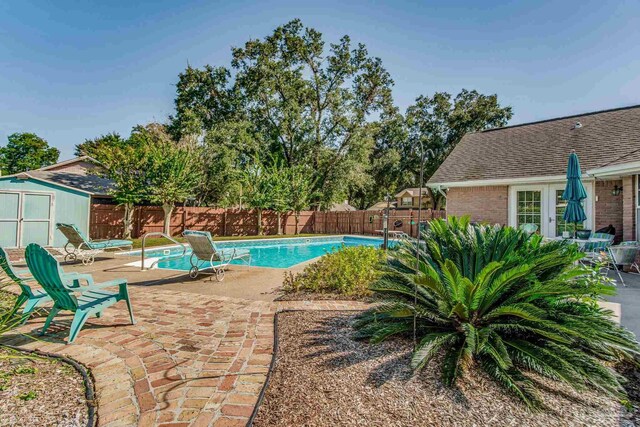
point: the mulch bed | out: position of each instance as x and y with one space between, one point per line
322 377
40 392
319 296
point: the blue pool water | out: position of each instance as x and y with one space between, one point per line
276 253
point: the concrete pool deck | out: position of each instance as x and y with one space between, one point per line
245 282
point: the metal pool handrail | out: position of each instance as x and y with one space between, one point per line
166 236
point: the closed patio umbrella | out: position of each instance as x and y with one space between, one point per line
574 193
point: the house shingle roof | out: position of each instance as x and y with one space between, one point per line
80 173
93 184
538 149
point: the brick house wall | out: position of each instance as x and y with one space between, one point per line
484 204
609 208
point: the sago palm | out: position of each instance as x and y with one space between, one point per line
498 299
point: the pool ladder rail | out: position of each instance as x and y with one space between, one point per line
166 236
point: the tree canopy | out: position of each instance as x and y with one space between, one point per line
295 98
298 99
26 151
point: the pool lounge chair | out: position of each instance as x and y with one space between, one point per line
32 298
62 287
206 256
79 246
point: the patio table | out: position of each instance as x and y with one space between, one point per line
590 257
582 242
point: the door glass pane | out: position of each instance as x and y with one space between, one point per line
9 205
560 224
8 234
35 232
36 206
529 208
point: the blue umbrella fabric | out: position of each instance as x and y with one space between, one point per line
574 192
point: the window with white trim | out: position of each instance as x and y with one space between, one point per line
407 201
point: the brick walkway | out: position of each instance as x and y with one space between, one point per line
190 360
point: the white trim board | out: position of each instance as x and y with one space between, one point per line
503 182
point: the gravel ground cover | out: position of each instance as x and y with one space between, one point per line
322 377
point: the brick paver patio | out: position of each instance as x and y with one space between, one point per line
190 360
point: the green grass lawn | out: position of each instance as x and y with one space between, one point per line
137 243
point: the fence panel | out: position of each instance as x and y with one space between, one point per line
371 222
106 221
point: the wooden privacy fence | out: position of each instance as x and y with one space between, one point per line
106 221
370 222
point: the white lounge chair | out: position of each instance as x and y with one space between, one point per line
206 256
79 246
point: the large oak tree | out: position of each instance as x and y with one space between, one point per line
303 100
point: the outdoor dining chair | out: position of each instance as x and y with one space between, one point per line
631 256
529 228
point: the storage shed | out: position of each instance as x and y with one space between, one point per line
32 202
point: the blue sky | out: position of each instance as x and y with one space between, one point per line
73 70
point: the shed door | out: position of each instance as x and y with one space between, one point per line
9 219
36 219
26 217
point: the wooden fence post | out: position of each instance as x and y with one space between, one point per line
138 209
411 222
224 223
184 218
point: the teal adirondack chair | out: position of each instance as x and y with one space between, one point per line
33 298
93 299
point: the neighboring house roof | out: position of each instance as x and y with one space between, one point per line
342 207
76 174
539 149
413 192
382 205
67 164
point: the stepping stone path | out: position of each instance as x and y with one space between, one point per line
190 360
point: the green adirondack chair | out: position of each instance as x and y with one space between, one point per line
93 299
33 298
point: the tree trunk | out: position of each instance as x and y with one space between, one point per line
279 216
128 219
259 214
432 197
168 209
297 215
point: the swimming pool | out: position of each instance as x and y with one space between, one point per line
275 253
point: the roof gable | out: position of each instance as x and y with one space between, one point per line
77 174
541 149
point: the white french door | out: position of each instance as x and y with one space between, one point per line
543 206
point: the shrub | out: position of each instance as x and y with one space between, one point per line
347 271
497 299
